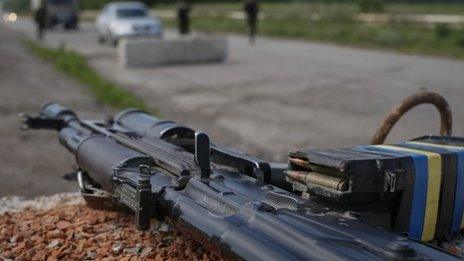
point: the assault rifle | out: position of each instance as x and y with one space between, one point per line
246 206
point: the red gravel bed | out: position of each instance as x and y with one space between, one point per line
78 232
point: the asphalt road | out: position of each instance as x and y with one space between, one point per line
279 95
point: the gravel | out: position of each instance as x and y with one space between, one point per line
15 204
70 231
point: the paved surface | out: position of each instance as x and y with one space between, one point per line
32 162
280 94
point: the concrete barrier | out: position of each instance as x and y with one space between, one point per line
179 50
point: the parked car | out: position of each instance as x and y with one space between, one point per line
60 12
126 19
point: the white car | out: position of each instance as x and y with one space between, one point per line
126 19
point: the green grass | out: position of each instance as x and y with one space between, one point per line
335 24
427 8
76 66
296 7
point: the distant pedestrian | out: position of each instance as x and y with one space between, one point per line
41 17
251 10
183 19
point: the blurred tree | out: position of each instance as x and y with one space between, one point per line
97 4
442 30
149 2
18 6
371 6
460 39
23 5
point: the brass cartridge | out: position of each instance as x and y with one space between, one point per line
337 183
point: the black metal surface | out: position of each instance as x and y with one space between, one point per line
98 156
148 125
203 154
367 173
239 209
249 165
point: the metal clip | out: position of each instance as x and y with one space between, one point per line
80 182
95 198
390 182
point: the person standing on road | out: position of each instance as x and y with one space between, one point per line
251 10
183 20
41 17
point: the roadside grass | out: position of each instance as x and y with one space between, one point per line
399 37
326 7
455 8
76 66
334 23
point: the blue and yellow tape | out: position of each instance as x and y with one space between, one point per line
426 199
458 209
426 188
430 169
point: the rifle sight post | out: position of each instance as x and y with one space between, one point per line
143 211
203 154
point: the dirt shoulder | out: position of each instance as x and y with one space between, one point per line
33 162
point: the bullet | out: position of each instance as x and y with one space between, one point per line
340 184
316 168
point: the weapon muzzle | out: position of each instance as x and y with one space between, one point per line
51 116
